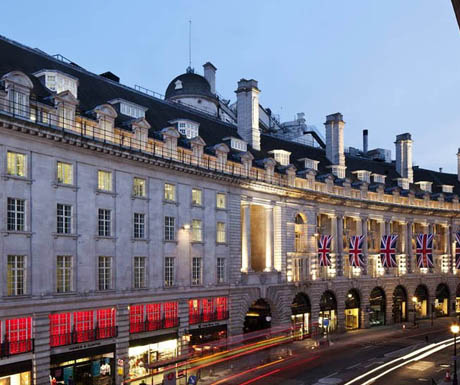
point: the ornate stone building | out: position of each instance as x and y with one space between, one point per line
135 225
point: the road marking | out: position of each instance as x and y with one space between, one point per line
353 366
330 375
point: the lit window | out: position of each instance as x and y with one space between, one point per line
19 103
64 274
220 232
197 197
105 323
83 325
104 180
105 273
60 329
170 314
136 318
16 164
16 214
170 229
170 192
221 307
139 272
194 311
139 187
64 219
16 274
197 230
220 270
19 335
64 173
189 129
197 271
105 223
169 271
221 201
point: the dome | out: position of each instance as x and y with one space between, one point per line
189 84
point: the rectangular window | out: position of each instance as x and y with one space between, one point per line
197 230
197 197
136 318
169 271
105 223
170 313
139 272
60 329
207 306
105 323
64 219
18 103
104 180
154 320
220 270
64 274
19 335
170 229
194 311
139 226
197 271
16 214
221 201
139 189
221 235
64 173
84 325
221 308
16 164
170 192
16 274
105 273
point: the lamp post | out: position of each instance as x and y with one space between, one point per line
414 301
455 329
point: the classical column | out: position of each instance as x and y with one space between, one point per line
364 224
268 238
246 238
339 239
409 250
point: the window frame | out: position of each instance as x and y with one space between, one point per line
63 273
63 220
100 186
197 231
14 284
140 280
72 176
24 165
200 194
218 206
222 232
17 226
169 271
173 191
139 226
169 230
196 269
106 284
144 192
221 278
107 231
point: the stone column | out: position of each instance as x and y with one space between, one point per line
41 354
122 342
409 250
246 238
339 239
268 238
364 224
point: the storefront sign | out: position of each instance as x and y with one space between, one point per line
84 346
120 367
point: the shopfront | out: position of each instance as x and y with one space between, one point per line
92 366
352 310
18 373
377 307
328 313
441 304
421 301
457 299
301 316
399 305
206 334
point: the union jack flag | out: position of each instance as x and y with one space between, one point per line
324 249
424 250
355 251
457 250
388 250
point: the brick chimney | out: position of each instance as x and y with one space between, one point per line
334 139
247 110
210 75
404 156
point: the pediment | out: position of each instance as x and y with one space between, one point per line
19 78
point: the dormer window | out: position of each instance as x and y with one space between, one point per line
58 81
310 163
379 178
424 186
446 188
403 183
363 175
237 144
281 156
187 128
178 85
129 109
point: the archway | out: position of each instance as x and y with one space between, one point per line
352 310
441 304
399 304
328 312
377 302
258 317
457 299
421 301
301 315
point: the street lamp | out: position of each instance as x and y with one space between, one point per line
455 329
414 301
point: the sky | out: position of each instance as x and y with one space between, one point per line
388 66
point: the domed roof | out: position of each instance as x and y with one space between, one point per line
189 84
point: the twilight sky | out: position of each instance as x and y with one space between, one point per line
389 66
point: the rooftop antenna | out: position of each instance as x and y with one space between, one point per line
189 68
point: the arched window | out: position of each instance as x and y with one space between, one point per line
299 232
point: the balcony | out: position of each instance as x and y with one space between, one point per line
152 325
76 337
208 317
11 348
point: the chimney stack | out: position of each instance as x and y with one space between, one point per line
247 110
334 139
458 165
210 75
404 156
365 141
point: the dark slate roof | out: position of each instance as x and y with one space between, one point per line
192 84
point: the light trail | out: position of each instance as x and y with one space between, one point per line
260 377
410 357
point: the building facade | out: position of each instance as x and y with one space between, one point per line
137 228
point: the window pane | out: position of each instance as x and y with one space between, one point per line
221 234
104 180
170 192
64 173
169 228
196 197
197 233
16 275
139 187
221 204
16 164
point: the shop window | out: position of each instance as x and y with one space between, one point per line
194 311
83 325
106 323
60 329
170 314
221 308
154 316
208 309
136 318
19 335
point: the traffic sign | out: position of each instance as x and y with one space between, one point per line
192 380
